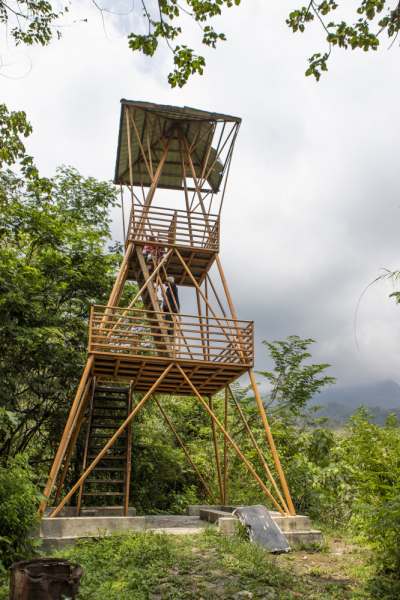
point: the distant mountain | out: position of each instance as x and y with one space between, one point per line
385 394
338 414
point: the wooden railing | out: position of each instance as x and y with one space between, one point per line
165 227
136 332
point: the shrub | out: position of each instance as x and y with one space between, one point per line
19 501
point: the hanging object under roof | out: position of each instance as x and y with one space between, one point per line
166 145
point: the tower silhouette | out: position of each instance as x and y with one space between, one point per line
152 346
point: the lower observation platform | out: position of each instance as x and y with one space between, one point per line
207 379
139 344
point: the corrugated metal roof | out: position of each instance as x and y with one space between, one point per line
162 120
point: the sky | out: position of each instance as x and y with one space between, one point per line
312 210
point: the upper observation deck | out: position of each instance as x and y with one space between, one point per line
195 235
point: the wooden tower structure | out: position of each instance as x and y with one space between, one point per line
182 155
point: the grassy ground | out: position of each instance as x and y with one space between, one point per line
207 566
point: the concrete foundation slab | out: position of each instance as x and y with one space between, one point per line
306 538
75 526
296 529
194 510
89 511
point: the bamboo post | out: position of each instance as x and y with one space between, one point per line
207 302
66 434
185 184
258 450
221 487
78 504
207 319
225 442
185 451
143 287
123 214
128 455
128 133
76 429
203 341
232 443
112 440
228 296
272 446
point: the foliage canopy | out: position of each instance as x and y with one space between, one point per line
35 22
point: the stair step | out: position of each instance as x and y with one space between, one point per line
104 435
106 426
105 507
108 469
103 494
105 481
111 391
112 417
113 447
109 407
109 457
111 402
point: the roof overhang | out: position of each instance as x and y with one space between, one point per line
208 138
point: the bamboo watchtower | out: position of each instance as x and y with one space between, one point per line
188 153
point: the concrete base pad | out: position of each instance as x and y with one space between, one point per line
296 529
60 532
298 538
89 511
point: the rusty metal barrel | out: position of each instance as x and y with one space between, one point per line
44 579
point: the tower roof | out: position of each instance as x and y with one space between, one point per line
207 136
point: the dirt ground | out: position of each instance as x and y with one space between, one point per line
341 567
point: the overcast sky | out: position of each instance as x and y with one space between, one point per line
313 189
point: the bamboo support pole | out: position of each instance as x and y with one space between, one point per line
121 273
67 433
85 454
272 445
228 296
128 455
216 295
203 340
216 450
128 133
230 440
140 144
112 440
185 184
76 429
206 301
225 442
258 450
123 214
185 451
207 320
196 183
140 292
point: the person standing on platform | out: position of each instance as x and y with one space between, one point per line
172 298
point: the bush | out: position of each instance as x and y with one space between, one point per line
19 501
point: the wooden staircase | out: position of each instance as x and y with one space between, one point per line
109 407
150 302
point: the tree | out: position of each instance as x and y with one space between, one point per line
53 266
344 35
293 384
35 22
